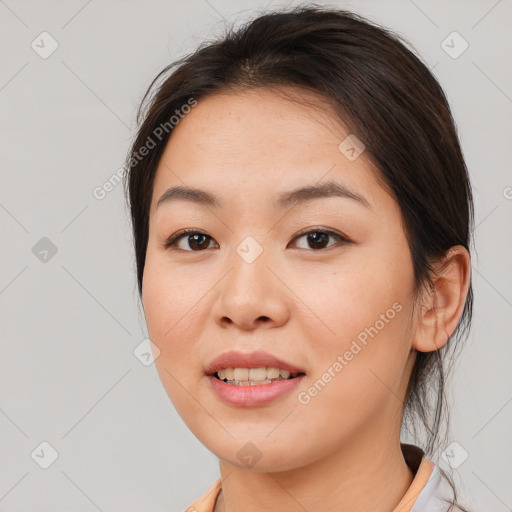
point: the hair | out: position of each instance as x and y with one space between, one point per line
384 94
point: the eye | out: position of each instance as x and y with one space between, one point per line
195 240
318 238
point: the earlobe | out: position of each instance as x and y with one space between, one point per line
443 305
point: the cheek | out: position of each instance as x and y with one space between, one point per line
358 381
173 309
352 299
364 310
172 298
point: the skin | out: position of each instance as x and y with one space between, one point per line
341 451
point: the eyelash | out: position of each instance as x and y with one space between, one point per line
174 239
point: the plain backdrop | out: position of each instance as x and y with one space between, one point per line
73 395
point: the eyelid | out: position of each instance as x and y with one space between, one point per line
173 239
320 229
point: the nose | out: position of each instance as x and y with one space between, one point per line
251 295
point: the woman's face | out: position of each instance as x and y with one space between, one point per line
339 310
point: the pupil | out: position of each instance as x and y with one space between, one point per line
317 238
195 239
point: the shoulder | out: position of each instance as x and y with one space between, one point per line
206 503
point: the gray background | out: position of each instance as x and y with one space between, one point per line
70 324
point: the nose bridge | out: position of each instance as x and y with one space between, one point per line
251 291
249 260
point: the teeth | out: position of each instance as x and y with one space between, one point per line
257 374
241 374
261 375
273 373
229 373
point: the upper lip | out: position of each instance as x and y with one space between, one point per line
234 359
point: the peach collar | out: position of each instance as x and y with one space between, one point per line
414 456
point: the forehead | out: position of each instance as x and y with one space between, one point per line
260 141
262 122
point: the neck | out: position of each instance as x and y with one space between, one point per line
358 476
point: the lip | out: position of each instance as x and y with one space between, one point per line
235 359
252 396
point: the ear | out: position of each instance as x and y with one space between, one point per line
442 306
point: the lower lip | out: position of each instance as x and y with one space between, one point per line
249 396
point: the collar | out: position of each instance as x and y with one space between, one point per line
428 490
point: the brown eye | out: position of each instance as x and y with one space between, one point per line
193 241
318 240
197 241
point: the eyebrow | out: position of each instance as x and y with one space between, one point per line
285 200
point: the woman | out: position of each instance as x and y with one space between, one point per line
302 216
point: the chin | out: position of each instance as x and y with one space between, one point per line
259 456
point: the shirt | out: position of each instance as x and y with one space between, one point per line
427 492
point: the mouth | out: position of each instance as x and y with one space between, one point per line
251 369
254 376
253 387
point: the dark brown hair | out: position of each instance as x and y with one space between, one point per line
384 94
